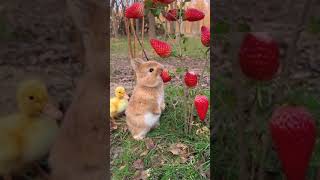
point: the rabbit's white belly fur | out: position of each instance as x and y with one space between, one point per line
151 119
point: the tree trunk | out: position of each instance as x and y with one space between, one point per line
115 25
152 26
172 24
80 152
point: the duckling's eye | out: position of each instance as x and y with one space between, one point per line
151 70
31 97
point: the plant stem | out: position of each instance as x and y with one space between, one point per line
265 143
205 65
186 109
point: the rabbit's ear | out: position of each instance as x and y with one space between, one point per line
136 62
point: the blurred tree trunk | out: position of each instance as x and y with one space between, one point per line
137 26
85 121
152 26
172 24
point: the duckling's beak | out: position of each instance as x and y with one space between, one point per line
52 111
126 96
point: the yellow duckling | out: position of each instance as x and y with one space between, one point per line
26 136
118 104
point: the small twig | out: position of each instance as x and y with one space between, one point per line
136 37
145 54
142 37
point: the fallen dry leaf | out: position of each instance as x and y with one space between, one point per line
138 164
178 149
181 150
144 153
150 144
142 175
122 167
203 131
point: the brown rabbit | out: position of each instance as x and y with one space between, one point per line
147 100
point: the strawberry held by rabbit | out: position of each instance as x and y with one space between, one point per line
293 133
147 101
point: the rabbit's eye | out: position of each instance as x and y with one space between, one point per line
31 97
151 70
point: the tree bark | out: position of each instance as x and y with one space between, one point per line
152 26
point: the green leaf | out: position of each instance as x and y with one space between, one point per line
222 28
155 12
148 4
174 53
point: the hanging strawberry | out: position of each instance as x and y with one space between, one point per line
293 132
136 10
202 104
191 79
205 36
162 48
193 14
259 56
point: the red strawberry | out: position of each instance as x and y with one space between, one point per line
166 1
191 79
259 56
293 133
201 103
162 48
193 14
205 36
136 10
165 76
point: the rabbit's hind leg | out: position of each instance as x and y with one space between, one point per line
141 134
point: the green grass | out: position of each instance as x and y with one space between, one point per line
171 131
192 47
